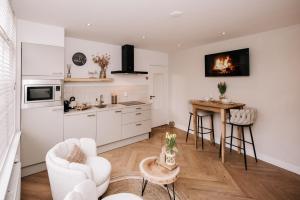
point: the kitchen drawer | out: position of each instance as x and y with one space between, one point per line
134 129
137 108
132 117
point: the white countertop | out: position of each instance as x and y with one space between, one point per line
96 109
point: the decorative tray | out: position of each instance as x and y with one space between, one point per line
82 107
165 165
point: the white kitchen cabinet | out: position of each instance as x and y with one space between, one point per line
109 126
137 128
81 125
41 128
42 60
136 120
136 116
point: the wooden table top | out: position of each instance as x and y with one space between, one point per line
157 174
217 104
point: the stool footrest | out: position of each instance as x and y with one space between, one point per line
238 139
205 132
234 145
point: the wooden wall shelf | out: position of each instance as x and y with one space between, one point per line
88 80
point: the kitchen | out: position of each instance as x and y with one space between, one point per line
125 123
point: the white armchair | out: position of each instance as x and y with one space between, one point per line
83 191
64 175
87 191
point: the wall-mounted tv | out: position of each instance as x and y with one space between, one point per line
230 63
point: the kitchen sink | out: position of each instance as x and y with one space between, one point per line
101 106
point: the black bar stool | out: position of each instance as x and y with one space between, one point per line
201 129
241 118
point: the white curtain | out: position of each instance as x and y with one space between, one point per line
7 77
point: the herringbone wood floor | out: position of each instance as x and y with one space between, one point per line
202 175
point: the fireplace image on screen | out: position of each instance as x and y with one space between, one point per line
230 63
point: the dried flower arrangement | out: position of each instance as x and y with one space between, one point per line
103 62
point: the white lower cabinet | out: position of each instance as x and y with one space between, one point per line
136 121
42 128
137 128
109 126
80 125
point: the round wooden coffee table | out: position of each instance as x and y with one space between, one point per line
157 174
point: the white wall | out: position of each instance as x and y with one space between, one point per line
135 86
272 88
34 33
143 59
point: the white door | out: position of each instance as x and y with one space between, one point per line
41 128
80 126
109 126
158 94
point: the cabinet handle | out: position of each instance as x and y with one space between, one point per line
93 115
138 113
57 73
118 111
57 109
138 124
138 108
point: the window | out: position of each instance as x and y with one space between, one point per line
7 77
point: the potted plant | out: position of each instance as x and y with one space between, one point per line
222 89
171 148
103 62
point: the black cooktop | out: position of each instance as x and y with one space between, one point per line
131 103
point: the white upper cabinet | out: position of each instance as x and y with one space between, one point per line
145 58
109 126
42 60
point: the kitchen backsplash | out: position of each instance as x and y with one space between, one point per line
88 94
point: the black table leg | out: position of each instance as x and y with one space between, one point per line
144 184
173 190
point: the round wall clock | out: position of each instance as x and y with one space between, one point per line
79 59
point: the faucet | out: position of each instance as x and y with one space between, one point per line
101 99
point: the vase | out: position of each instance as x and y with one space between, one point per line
170 158
102 73
69 71
222 96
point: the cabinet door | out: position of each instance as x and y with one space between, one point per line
109 126
41 128
80 126
42 60
135 129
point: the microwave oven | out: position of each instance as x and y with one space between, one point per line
42 93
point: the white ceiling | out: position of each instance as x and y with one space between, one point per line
126 21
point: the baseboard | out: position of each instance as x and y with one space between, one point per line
33 169
285 165
181 127
269 159
122 143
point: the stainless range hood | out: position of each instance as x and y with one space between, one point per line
128 61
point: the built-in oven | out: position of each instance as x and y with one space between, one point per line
42 93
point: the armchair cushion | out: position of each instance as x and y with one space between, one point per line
100 167
88 146
76 155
